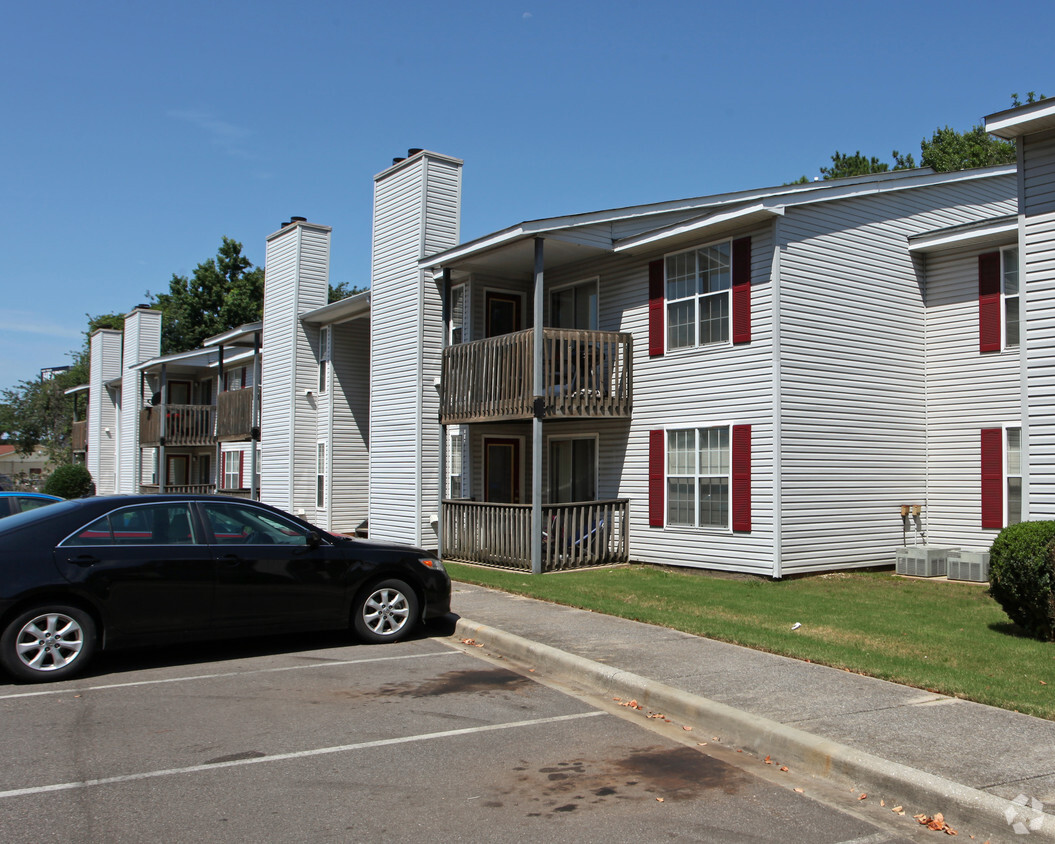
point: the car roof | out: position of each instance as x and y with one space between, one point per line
27 493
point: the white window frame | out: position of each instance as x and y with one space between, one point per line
1010 266
458 291
697 475
325 353
457 442
227 471
321 475
697 296
1012 464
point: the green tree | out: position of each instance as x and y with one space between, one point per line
342 291
222 293
70 480
949 150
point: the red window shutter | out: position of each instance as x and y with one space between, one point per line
656 326
989 302
992 478
741 465
656 478
222 479
241 471
742 290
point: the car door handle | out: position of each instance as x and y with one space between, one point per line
84 560
231 559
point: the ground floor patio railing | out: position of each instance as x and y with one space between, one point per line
586 533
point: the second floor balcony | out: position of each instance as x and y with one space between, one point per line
234 415
185 425
584 374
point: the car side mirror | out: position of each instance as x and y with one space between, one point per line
314 540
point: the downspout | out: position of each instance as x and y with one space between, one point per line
775 283
1024 334
536 422
442 485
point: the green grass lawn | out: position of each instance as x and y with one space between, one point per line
941 636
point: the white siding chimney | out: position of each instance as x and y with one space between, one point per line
416 213
142 342
102 424
296 280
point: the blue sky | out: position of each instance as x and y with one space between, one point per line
136 135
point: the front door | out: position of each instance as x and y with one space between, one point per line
502 470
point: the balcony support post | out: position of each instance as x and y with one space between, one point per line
219 389
254 422
536 421
163 430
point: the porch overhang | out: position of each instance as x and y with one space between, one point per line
999 231
1022 120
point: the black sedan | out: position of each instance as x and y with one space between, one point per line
127 570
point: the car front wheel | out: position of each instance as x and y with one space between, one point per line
385 612
47 643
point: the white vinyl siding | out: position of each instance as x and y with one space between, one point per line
103 408
415 214
1037 166
347 427
296 279
966 392
852 354
142 341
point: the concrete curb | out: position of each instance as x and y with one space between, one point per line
918 791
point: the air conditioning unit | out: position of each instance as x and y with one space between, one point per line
922 561
969 565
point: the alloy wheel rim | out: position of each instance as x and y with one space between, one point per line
49 641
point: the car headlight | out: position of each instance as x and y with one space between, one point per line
431 563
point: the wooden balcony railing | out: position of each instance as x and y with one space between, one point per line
178 489
588 533
185 424
234 415
79 436
584 374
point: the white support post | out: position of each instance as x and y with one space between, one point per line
536 422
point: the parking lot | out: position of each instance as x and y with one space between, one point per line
326 740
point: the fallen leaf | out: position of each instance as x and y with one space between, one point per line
659 799
784 768
768 761
686 728
701 744
1043 683
799 790
897 809
882 802
862 797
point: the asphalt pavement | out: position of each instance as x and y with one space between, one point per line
985 770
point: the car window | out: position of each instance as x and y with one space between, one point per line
156 524
27 503
234 524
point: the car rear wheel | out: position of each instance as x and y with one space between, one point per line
51 642
385 612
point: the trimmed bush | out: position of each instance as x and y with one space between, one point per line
1022 577
71 480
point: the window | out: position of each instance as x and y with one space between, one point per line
234 379
698 476
697 291
325 350
455 463
1013 473
574 306
320 475
1009 287
156 524
458 312
232 470
1001 452
572 470
237 524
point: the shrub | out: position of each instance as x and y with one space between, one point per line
1022 578
71 480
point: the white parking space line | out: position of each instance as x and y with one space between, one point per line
193 677
282 757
